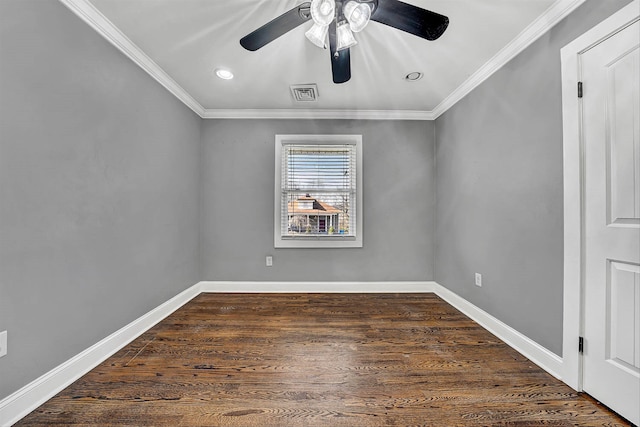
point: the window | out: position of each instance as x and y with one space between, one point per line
318 191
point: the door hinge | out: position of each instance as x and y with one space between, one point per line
579 89
581 345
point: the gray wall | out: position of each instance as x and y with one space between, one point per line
499 187
237 203
98 189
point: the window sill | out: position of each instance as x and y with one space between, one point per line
318 242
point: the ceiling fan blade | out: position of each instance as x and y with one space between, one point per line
412 19
340 61
277 27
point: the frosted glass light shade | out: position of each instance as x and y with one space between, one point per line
323 11
317 35
345 37
358 15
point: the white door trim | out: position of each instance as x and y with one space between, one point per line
573 186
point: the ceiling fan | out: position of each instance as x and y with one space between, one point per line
340 19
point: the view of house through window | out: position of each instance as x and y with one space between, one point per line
318 190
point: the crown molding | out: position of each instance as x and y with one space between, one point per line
319 114
96 20
554 14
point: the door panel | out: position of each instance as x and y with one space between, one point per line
624 158
623 318
611 137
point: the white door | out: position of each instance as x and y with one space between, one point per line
611 124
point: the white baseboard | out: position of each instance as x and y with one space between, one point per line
530 349
317 287
19 404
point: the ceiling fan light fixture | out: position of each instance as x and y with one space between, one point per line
317 35
346 17
323 11
344 36
358 15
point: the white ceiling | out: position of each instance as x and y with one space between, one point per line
181 42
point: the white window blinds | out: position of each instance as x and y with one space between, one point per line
318 191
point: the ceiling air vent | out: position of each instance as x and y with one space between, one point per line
304 93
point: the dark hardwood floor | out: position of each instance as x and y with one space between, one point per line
319 360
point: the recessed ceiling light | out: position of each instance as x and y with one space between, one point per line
224 74
412 77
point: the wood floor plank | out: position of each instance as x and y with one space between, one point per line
318 360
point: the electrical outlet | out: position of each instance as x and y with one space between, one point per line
478 279
269 261
3 343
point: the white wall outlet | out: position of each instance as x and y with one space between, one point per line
478 279
3 343
269 261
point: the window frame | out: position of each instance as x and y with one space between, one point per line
316 241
